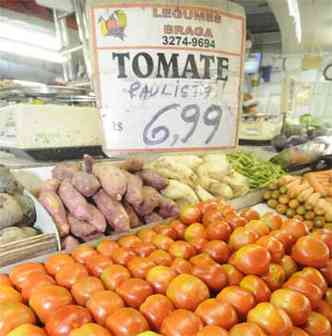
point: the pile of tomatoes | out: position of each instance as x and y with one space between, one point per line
211 272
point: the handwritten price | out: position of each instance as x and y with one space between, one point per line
190 114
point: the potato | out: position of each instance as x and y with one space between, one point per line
134 194
113 211
86 184
112 179
153 179
65 170
151 201
79 228
168 208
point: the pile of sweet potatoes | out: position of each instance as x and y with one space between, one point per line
86 200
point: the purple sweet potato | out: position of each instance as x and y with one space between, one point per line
151 201
112 179
54 206
133 217
153 179
113 211
152 218
132 165
86 184
98 220
134 194
79 228
92 237
88 163
69 243
51 184
65 170
168 208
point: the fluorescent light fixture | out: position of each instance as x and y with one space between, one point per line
293 9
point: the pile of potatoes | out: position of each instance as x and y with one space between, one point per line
89 199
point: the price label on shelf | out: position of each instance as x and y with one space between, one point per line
168 77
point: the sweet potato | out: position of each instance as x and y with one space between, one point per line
133 217
113 211
69 243
79 228
54 206
51 184
134 194
93 236
132 165
151 201
88 163
87 184
152 218
153 179
112 179
65 170
97 219
168 208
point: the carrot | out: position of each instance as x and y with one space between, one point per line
305 194
298 189
313 199
311 178
290 186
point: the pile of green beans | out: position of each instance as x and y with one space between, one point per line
260 173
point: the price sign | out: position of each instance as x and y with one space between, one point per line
168 77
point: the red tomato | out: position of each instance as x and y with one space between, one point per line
258 227
317 325
307 288
212 215
46 299
4 280
285 237
236 221
216 312
204 206
195 231
84 288
9 294
126 322
257 287
160 257
190 214
155 309
160 277
273 320
90 329
139 266
146 235
180 265
217 250
199 244
27 330
274 246
70 273
212 275
162 242
55 263
102 304
325 309
295 227
13 315
122 255
143 249
250 214
181 322
272 220
168 231
324 235
82 252
234 276
313 275
20 272
34 281
134 291
218 230
66 318
212 331
251 259
202 258
241 299
298 332
181 249
187 291
275 277
129 241
246 329
295 304
289 265
241 237
179 228
309 251
113 275
106 247
96 264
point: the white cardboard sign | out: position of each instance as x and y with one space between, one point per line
168 77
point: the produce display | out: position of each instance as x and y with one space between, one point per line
89 199
209 272
305 197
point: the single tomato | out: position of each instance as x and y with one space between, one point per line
179 228
317 325
4 280
258 227
66 318
199 244
195 231
187 291
212 215
55 263
155 309
181 249
129 241
298 332
212 331
9 294
313 275
309 251
272 220
162 242
180 265
33 281
325 309
275 277
102 304
146 235
126 322
235 221
218 230
295 227
46 299
20 272
84 288
241 299
285 237
273 320
181 322
251 259
241 237
257 287
122 255
217 250
202 258
82 252
247 329
295 304
113 275
324 235
106 247
134 291
168 231
139 266
216 312
161 257
160 277
190 214
96 264
234 276
289 265
27 330
90 329
70 273
274 246
143 249
204 206
13 315
250 214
